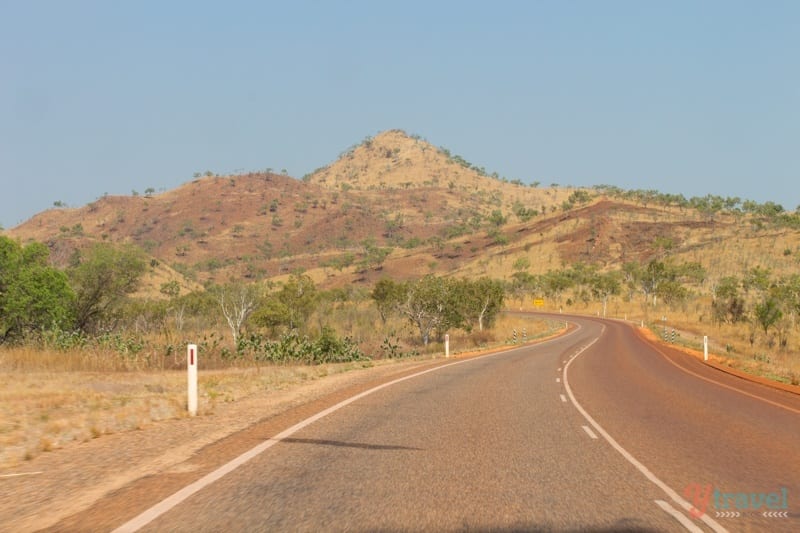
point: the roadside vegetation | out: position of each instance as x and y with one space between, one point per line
81 357
371 260
85 317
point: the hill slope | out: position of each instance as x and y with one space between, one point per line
396 205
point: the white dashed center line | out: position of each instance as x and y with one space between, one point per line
589 432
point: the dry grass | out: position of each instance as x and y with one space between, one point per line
27 358
42 411
49 399
730 344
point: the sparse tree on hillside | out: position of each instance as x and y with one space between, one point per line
170 289
524 214
521 264
727 306
579 197
374 255
393 225
496 219
787 291
767 313
757 278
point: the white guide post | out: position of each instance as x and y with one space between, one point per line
191 365
447 345
705 348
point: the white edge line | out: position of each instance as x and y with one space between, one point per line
719 383
674 496
21 474
677 515
170 502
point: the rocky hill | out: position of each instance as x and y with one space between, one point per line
396 205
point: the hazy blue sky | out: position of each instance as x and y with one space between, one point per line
690 97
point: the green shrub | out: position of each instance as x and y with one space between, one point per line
292 348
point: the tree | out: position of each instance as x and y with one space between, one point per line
431 305
523 284
691 272
521 264
604 286
671 292
33 295
374 255
388 296
757 278
631 273
554 283
170 289
102 278
237 301
654 273
496 219
480 301
291 306
299 294
727 306
768 313
787 291
201 305
393 226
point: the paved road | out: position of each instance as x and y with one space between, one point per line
593 431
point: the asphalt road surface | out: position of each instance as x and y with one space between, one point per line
597 430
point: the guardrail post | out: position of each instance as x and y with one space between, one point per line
191 365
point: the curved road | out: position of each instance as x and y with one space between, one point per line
597 430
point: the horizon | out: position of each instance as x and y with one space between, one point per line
681 98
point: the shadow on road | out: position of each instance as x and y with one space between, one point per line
325 442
